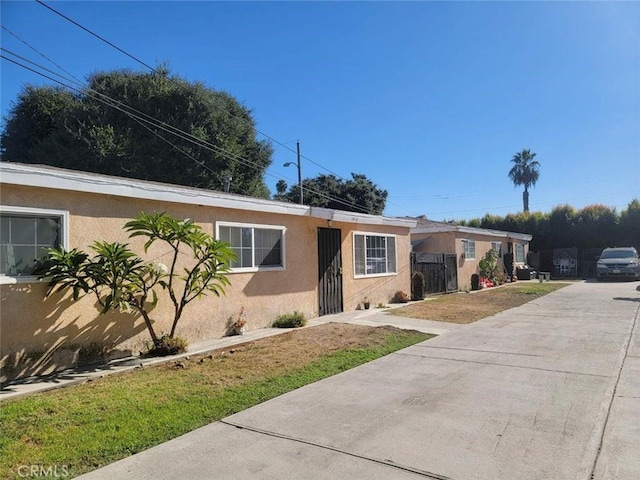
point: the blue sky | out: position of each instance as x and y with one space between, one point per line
430 100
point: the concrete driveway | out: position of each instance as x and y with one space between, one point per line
549 390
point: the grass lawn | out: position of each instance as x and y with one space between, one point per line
470 307
82 427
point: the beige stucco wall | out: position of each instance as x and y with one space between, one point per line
451 242
443 242
39 335
378 289
466 266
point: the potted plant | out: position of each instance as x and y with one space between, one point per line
366 303
239 324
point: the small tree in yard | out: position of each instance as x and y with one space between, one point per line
120 279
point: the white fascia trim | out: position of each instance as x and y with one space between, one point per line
473 230
497 233
77 181
362 218
62 179
520 236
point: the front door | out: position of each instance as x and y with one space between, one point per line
329 271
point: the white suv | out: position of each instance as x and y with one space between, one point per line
620 262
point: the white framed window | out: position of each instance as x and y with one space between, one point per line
258 247
374 254
519 252
469 249
25 234
497 246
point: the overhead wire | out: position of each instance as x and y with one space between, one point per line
139 117
39 53
133 57
118 106
153 69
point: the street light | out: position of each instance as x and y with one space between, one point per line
299 172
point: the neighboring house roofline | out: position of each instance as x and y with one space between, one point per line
417 243
446 227
77 181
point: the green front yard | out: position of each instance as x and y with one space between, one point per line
83 427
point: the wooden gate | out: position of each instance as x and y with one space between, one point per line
329 271
440 271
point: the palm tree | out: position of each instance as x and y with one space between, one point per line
525 171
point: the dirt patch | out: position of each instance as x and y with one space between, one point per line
282 353
470 307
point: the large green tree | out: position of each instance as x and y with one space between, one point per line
118 125
359 194
525 171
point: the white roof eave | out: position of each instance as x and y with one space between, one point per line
71 180
472 230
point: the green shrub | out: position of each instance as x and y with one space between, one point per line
400 297
122 280
488 266
167 346
417 282
290 320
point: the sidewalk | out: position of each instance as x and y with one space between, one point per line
372 317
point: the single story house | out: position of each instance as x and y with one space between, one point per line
469 245
318 261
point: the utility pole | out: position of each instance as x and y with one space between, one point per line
299 172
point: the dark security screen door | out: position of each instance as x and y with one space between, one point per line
329 271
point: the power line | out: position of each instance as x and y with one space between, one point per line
139 117
111 44
94 34
555 203
156 71
38 52
154 122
